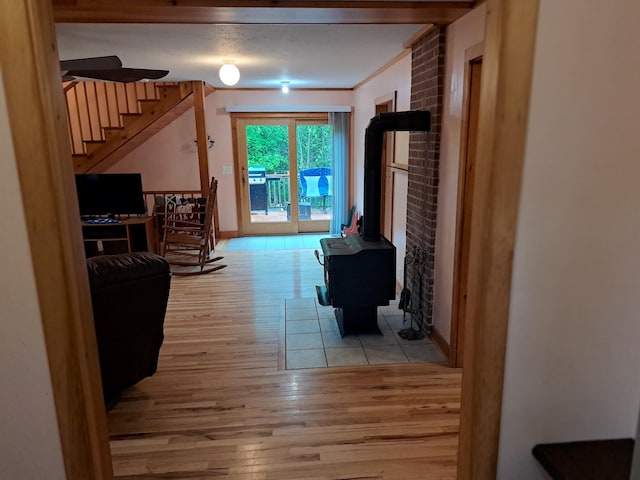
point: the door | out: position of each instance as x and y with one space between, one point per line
283 166
465 212
384 105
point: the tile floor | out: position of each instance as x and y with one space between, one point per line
312 339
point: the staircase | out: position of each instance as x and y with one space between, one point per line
108 120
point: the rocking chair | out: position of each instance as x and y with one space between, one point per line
188 234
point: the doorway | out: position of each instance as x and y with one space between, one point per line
466 180
386 104
283 172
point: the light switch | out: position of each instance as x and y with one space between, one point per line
227 170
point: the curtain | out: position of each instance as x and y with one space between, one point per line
339 122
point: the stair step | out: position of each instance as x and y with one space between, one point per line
147 105
167 91
93 145
119 141
110 132
128 118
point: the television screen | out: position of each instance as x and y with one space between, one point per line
110 194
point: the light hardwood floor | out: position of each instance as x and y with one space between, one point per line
222 406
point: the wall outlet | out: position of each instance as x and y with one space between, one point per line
227 170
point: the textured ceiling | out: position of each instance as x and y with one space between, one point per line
307 56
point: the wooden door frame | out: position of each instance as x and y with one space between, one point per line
34 81
507 68
471 55
242 185
389 153
292 120
38 123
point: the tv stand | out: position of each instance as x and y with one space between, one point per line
134 234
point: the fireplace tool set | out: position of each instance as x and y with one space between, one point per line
406 304
360 269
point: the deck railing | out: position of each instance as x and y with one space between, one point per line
278 192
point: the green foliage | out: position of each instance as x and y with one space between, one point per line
313 143
268 146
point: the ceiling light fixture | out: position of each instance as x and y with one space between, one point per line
229 73
285 87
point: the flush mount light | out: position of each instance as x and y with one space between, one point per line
229 73
284 87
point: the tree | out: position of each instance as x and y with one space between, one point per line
268 147
313 144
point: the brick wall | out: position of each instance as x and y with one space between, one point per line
427 88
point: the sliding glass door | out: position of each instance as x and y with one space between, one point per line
283 167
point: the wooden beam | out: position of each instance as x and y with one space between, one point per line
260 11
502 129
38 122
201 136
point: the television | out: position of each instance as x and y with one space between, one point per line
110 194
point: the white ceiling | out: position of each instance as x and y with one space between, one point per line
307 56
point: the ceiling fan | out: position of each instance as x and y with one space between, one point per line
106 68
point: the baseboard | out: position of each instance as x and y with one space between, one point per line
228 234
440 342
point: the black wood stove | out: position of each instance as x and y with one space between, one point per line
360 270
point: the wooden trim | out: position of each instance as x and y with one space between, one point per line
386 66
322 116
261 11
504 110
201 135
37 116
233 119
277 89
389 98
69 85
440 342
293 174
225 234
239 121
400 166
471 54
474 52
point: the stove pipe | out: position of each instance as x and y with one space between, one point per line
393 121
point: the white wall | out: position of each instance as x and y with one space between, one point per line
29 437
572 353
396 77
169 159
463 34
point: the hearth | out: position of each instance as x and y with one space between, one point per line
360 269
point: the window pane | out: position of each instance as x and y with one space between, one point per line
315 182
268 172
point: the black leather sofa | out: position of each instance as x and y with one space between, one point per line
129 293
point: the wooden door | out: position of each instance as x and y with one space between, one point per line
384 105
465 211
272 154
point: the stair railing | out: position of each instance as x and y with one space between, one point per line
94 107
